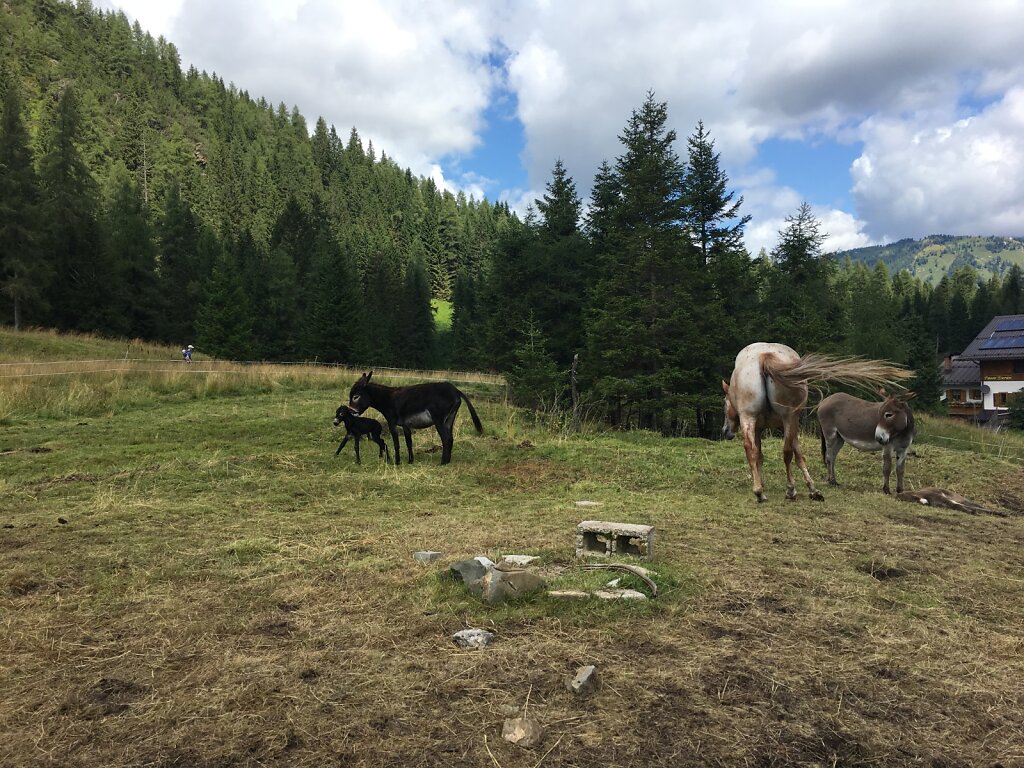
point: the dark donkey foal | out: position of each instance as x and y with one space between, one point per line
414 407
358 427
887 426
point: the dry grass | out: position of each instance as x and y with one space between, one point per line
226 592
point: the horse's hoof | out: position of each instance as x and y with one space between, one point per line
885 490
833 483
790 495
817 496
761 498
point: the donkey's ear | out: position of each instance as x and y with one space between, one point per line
882 392
905 396
725 386
369 376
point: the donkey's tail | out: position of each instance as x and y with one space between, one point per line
472 412
853 371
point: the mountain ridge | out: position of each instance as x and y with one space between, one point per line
935 256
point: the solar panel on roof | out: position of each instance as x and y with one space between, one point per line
1012 342
1011 324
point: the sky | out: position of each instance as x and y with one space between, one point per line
891 118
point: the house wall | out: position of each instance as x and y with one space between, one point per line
1002 377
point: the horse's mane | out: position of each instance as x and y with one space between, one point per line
852 371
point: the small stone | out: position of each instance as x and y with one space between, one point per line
583 504
584 681
520 560
522 731
614 583
473 638
485 561
426 556
619 594
569 594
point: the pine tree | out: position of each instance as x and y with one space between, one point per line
134 305
416 321
24 273
333 322
639 321
70 209
224 323
534 380
178 234
799 304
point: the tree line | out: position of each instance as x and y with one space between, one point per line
140 200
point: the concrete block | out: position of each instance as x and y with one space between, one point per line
600 537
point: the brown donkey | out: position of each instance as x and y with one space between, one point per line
768 389
887 426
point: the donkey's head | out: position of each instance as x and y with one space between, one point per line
732 417
343 415
894 416
358 400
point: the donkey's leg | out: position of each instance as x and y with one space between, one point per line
833 444
752 447
408 442
445 433
342 444
394 438
792 438
887 468
358 460
901 465
376 437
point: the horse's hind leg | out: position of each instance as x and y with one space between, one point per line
791 448
752 447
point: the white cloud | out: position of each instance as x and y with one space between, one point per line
944 176
416 77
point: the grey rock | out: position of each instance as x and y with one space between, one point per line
470 573
473 638
584 681
485 561
426 556
499 585
522 731
586 504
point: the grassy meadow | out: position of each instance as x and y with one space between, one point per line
190 577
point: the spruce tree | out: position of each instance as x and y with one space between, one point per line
24 272
639 322
224 323
77 295
416 321
534 380
178 234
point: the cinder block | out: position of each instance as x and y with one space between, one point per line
599 537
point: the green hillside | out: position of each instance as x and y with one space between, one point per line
935 256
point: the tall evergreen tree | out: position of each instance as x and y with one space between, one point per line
639 323
799 305
333 329
24 272
224 323
70 208
416 321
180 279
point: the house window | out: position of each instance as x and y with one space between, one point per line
956 395
999 399
1018 366
975 395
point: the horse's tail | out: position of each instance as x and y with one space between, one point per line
853 371
472 412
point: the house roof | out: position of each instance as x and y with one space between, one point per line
1001 339
962 373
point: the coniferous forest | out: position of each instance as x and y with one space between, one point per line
140 200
